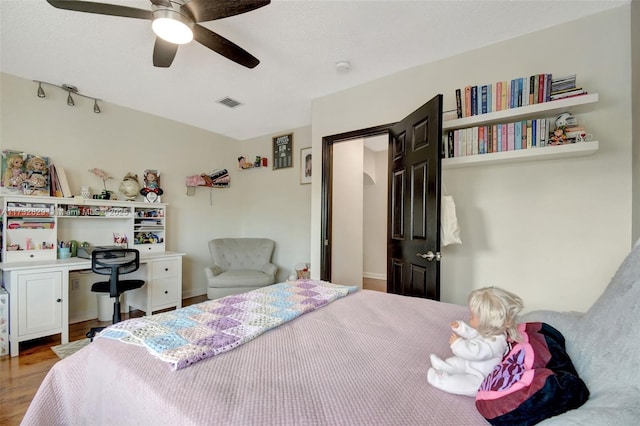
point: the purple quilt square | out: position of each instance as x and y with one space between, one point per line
222 323
308 293
226 310
304 284
217 340
232 300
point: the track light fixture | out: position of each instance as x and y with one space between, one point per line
41 93
69 89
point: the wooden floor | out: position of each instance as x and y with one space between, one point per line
21 376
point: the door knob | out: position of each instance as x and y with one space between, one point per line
430 255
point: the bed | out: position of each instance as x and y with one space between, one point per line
361 359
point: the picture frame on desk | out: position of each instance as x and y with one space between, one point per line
305 166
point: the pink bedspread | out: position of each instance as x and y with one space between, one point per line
361 360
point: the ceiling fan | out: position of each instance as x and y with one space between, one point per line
176 22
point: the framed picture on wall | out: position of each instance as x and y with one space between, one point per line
305 165
283 151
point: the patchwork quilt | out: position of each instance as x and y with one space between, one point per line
188 335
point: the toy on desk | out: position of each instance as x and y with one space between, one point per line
120 240
130 187
151 191
147 238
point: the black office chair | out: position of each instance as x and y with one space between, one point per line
114 262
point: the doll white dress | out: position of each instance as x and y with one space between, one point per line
474 358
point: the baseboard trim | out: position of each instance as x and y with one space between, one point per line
194 292
375 276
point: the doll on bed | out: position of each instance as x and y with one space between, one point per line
480 345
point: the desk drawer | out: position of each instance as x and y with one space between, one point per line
164 292
29 255
165 268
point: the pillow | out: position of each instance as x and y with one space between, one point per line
535 380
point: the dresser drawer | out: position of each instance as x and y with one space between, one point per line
165 268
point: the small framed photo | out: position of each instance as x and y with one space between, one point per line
283 151
305 165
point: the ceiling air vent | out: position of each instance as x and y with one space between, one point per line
231 103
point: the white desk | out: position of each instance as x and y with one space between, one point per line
39 293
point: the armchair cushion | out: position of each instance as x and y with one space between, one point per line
239 265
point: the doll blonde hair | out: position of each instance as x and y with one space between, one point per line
496 310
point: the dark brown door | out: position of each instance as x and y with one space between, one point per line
413 231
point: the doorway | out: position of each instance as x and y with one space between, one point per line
413 241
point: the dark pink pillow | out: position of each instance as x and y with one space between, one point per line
535 380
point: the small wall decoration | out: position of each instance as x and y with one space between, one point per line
305 165
24 173
283 151
244 163
151 191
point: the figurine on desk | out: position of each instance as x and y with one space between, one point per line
151 191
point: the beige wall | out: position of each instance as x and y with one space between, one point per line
552 231
375 216
261 202
635 97
347 204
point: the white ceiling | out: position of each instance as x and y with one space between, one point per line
297 41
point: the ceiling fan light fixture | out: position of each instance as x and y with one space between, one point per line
70 101
172 26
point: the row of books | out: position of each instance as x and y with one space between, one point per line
59 184
525 134
518 92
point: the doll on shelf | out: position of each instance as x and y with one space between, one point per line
151 191
15 174
37 171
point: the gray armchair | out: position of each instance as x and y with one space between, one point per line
239 265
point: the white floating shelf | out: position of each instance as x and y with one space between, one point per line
544 153
542 110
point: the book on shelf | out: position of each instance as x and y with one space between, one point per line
467 101
483 101
64 189
505 95
558 92
517 135
53 188
541 88
450 144
459 103
570 94
474 100
562 83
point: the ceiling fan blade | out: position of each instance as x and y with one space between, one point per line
101 8
207 10
166 3
163 53
223 46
